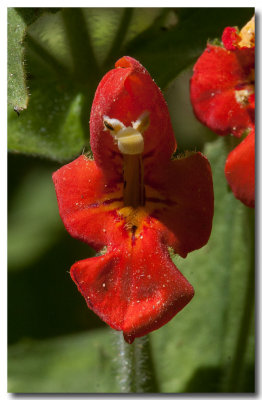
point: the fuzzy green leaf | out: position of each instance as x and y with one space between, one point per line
34 223
18 20
80 363
17 91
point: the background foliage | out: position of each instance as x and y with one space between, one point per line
56 58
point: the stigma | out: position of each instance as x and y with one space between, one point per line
129 139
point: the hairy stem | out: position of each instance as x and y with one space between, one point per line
137 374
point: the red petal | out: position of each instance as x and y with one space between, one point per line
186 210
87 202
125 93
230 38
218 77
90 207
240 170
135 289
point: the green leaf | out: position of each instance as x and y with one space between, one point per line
190 133
166 50
82 363
34 223
17 90
112 28
18 20
30 15
51 126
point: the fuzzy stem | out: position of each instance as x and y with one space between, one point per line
137 374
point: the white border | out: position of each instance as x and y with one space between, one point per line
3 164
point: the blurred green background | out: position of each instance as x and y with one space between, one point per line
56 58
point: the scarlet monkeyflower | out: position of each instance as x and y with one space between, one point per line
223 97
132 202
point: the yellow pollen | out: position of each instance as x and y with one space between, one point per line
242 96
133 216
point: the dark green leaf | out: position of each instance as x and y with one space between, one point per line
166 52
190 133
29 15
81 363
51 126
34 222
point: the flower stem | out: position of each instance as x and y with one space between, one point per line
237 368
137 374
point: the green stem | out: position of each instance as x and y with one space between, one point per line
231 142
235 375
137 374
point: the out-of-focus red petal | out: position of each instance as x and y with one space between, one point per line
240 170
219 76
230 38
87 202
183 201
125 93
134 288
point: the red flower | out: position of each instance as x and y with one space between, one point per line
132 203
240 170
222 94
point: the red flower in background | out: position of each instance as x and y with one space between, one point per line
223 97
132 202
